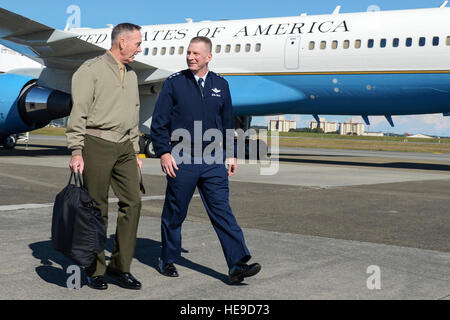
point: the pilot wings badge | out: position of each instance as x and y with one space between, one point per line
216 92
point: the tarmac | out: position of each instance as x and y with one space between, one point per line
325 224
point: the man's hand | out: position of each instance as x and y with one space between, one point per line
139 161
77 164
232 166
168 164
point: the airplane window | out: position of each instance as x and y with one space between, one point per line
346 44
435 41
155 51
311 45
258 47
395 42
218 48
163 51
334 44
228 48
248 47
370 43
421 41
146 51
180 50
357 44
383 43
448 40
237 48
323 45
408 42
172 50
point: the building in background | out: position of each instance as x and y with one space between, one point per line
420 136
351 127
326 127
374 134
281 125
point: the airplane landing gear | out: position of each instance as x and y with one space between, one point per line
149 151
9 142
146 145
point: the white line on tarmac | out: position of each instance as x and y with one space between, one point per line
49 205
28 180
25 206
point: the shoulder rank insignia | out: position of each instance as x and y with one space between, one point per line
217 74
174 75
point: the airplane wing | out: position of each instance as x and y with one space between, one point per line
58 49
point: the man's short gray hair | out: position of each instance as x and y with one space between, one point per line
205 40
121 28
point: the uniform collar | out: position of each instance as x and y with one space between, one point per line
111 59
197 77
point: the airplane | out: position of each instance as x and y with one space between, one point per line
364 64
10 60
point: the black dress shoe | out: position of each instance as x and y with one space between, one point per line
241 270
97 283
125 279
167 269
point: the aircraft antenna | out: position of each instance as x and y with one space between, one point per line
366 119
389 119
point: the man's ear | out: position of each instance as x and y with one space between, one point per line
122 43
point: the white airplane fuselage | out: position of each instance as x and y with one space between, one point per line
371 63
11 60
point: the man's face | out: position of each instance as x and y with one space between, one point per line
130 46
198 56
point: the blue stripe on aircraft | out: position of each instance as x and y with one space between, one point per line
10 87
341 94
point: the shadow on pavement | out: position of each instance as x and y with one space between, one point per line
148 252
392 165
43 150
54 264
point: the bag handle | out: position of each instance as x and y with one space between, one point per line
78 179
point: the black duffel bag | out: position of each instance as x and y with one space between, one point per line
78 230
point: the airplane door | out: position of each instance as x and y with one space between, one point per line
291 53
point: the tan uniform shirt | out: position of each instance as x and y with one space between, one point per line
105 103
122 68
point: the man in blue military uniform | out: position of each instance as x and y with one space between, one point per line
189 98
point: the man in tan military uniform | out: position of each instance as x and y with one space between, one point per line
102 133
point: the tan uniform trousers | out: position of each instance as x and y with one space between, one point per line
114 164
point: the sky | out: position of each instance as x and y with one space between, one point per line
99 13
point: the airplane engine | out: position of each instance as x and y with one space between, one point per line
25 106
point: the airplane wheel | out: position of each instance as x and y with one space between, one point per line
149 151
142 144
9 142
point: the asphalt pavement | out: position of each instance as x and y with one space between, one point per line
323 224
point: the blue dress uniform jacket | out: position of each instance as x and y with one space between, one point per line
180 103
